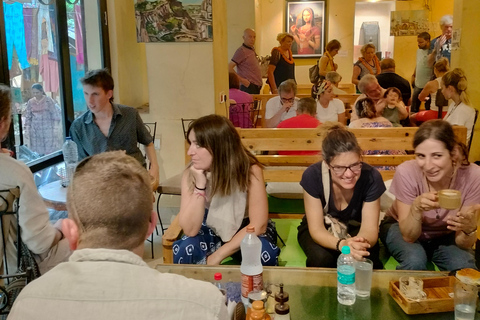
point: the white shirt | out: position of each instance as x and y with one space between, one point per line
36 231
335 107
116 284
275 104
461 115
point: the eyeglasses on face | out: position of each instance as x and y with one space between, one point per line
285 100
339 170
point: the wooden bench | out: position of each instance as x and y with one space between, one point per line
289 168
347 99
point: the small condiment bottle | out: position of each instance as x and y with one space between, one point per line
282 309
257 312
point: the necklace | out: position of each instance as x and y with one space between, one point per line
289 58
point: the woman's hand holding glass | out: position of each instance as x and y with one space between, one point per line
426 202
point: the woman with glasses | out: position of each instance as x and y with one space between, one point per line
342 203
223 192
42 238
416 228
329 108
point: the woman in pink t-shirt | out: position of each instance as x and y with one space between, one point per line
417 228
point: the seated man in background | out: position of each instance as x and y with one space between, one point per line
282 107
107 126
370 88
306 118
110 216
388 78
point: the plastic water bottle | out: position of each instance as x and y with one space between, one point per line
346 277
218 283
251 267
70 156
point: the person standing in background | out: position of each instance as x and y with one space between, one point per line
326 64
441 46
248 69
423 70
42 117
367 64
282 65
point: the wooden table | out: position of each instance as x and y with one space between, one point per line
54 195
313 291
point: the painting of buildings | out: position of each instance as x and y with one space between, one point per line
173 21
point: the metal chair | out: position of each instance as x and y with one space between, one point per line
15 252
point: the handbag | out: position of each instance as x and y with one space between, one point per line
336 227
314 73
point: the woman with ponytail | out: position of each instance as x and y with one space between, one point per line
454 86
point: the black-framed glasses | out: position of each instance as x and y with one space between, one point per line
339 170
285 100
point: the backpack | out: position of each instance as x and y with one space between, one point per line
314 73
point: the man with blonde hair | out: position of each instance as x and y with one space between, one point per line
110 216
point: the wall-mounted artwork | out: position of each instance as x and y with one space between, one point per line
408 23
173 21
305 20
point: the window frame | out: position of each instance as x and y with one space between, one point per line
66 94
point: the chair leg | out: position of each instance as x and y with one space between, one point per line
151 246
158 213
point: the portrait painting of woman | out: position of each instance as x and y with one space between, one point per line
306 24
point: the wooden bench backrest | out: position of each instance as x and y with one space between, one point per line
348 100
265 139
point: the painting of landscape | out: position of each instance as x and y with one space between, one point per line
173 21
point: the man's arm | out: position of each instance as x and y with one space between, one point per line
152 157
231 68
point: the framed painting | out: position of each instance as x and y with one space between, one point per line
305 20
173 21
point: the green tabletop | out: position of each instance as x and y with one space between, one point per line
313 291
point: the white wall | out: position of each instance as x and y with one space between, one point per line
240 15
375 11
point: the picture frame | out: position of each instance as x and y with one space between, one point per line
309 36
165 21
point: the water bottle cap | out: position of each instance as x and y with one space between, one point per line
250 229
68 138
346 250
217 276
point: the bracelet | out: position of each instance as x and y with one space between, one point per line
201 189
470 233
338 243
200 193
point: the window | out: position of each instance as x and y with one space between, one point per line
46 47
